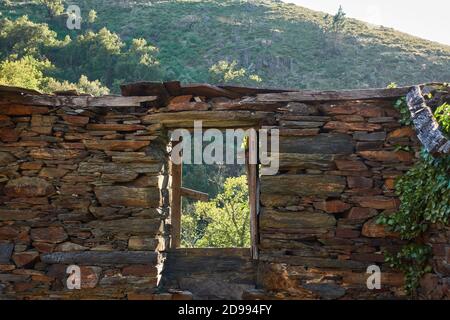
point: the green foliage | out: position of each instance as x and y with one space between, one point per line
405 114
424 193
412 260
442 115
283 44
92 16
54 7
333 27
23 37
222 222
226 72
94 88
26 72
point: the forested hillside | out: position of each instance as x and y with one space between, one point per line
258 43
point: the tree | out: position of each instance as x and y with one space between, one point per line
23 37
26 72
94 88
54 7
139 62
92 16
334 25
226 72
227 218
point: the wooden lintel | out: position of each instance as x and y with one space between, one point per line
194 194
76 101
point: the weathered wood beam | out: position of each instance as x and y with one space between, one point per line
176 171
426 126
309 95
218 119
194 194
76 101
100 258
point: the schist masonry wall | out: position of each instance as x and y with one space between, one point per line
86 181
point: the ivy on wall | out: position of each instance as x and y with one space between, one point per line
424 192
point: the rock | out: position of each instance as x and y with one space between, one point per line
57 154
324 143
140 243
347 233
375 136
387 156
357 213
8 233
303 185
75 120
6 250
90 276
327 291
70 246
401 132
6 158
8 135
181 295
340 126
333 206
35 165
52 173
23 259
359 182
132 226
350 165
140 271
17 215
114 127
377 202
372 229
28 187
115 145
42 124
22 110
302 108
354 108
50 234
128 197
294 221
306 161
44 247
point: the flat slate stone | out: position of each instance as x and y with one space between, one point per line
5 252
325 143
100 258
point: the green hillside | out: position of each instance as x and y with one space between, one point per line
285 45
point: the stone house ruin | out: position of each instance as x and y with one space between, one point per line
87 181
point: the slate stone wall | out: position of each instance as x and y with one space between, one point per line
86 181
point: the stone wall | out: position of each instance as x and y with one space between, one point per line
85 181
79 185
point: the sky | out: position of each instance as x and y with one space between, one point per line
426 19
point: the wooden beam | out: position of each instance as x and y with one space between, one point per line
338 95
252 176
194 194
76 101
175 203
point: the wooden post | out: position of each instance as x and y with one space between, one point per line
252 172
175 203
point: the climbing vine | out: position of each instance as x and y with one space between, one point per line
424 192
